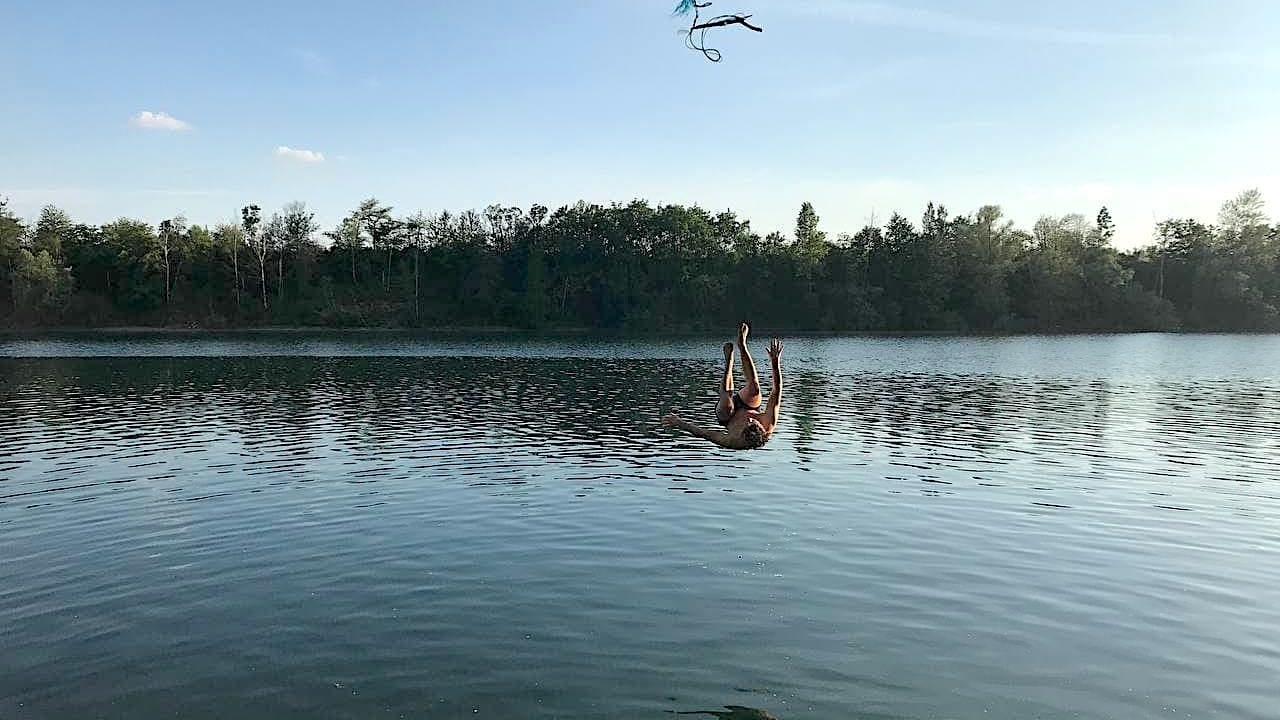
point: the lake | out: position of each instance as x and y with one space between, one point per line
388 526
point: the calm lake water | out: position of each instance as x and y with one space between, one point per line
378 526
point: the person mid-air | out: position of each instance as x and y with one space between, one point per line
747 425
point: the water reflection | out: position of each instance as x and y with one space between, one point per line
507 536
594 423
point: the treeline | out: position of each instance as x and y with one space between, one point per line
640 267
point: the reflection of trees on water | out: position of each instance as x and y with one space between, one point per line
486 421
803 392
1066 430
597 418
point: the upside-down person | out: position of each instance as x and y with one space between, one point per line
747 425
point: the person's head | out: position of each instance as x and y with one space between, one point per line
753 435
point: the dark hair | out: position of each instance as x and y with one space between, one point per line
753 434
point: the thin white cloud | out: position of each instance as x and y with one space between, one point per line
936 21
312 60
158 121
310 157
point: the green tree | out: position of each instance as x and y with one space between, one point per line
11 232
53 227
1244 213
137 289
415 230
231 238
985 260
287 233
250 221
40 285
272 245
347 237
384 233
1105 229
168 237
811 242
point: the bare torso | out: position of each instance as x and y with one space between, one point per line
734 428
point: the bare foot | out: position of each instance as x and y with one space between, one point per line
743 331
728 351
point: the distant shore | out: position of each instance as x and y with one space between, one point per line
266 329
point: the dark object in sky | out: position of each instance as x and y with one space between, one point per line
701 26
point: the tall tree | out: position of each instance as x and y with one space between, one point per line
40 285
168 236
297 225
250 219
230 238
415 228
347 236
383 230
53 227
196 263
1243 212
273 242
810 241
986 252
138 291
11 232
534 310
1106 228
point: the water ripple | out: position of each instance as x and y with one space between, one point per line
510 534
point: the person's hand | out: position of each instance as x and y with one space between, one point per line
743 330
774 348
671 420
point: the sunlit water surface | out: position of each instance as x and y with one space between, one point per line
382 526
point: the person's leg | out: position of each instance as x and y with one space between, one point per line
724 406
750 392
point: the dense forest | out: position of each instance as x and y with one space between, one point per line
639 267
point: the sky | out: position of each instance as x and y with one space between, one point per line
153 109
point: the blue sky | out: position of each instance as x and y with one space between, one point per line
1152 108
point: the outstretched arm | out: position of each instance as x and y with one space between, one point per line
775 394
719 438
